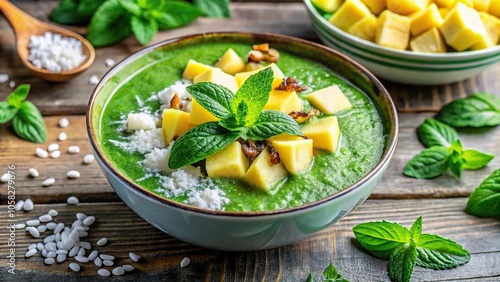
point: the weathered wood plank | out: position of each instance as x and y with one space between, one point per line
161 254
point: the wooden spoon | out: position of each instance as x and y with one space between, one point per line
25 26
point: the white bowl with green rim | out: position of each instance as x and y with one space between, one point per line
403 66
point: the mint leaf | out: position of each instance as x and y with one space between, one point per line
150 4
485 199
67 13
28 123
430 163
330 272
16 97
455 160
143 29
272 123
175 14
478 110
401 262
437 252
435 133
473 159
255 93
213 97
416 229
109 24
86 8
214 8
310 278
230 123
131 6
7 111
381 238
198 143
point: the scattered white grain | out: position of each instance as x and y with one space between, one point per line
185 262
74 266
103 272
53 212
51 254
82 234
81 252
40 246
53 147
107 257
42 228
93 255
4 78
102 241
49 261
73 149
133 256
88 159
45 218
59 227
32 246
33 172
93 80
31 253
19 205
62 136
107 262
51 247
44 253
33 231
82 259
5 177
72 200
80 216
33 222
98 262
109 63
55 154
85 245
51 225
41 153
89 220
74 251
127 267
48 182
118 271
28 205
63 122
12 84
19 226
73 174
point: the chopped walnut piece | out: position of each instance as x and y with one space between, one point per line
275 156
273 55
289 84
301 117
264 47
256 56
176 103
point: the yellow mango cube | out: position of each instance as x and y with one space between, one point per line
278 75
494 8
425 20
482 5
296 155
365 28
492 25
393 31
285 102
452 3
376 6
443 11
230 62
328 6
430 41
285 137
406 7
193 68
216 75
462 27
200 115
253 66
350 12
263 174
174 123
324 132
329 100
229 162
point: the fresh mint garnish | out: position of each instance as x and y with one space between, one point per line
430 163
330 274
406 248
435 133
144 29
485 199
244 118
27 120
477 110
214 8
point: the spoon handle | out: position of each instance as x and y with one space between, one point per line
23 24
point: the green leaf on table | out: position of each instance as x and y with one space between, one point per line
110 24
198 143
430 163
477 110
175 14
435 133
272 123
17 96
214 8
455 161
381 238
143 29
67 13
150 4
402 261
331 275
485 199
28 123
213 97
310 278
437 252
473 159
131 6
87 8
7 111
416 229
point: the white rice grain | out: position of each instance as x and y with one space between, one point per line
102 241
98 262
53 147
73 149
41 153
4 78
45 218
127 267
74 266
62 136
85 245
55 154
93 80
33 231
107 262
33 222
49 261
118 271
51 225
31 253
73 174
72 200
107 257
33 172
63 122
93 255
48 182
89 220
109 63
82 259
42 228
88 159
185 262
28 205
19 205
133 256
19 226
12 84
104 272
53 212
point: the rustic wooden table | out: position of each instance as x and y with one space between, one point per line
440 201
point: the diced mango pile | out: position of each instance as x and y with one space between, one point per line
429 26
295 153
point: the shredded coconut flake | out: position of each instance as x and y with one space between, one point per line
211 199
179 88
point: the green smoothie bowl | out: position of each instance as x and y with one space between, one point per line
240 141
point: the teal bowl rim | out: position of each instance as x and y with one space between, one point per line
263 37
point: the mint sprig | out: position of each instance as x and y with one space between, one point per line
241 114
27 120
485 199
406 248
330 274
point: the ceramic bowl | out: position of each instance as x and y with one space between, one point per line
243 231
403 66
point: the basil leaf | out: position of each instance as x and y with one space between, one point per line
429 163
381 238
416 229
214 8
402 261
455 160
143 29
436 252
7 111
17 96
435 133
213 97
131 6
473 159
272 123
330 272
492 100
485 199
28 123
175 14
472 111
255 93
110 24
67 13
199 143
